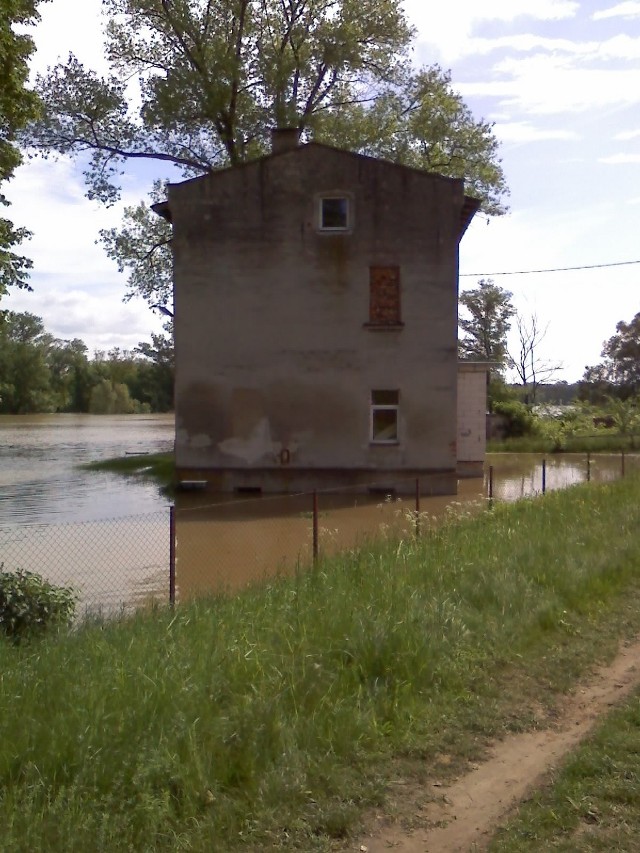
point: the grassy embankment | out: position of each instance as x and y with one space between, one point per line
274 719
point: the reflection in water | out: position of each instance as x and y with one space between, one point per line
224 546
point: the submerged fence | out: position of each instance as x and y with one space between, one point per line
204 544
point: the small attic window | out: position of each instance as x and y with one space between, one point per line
335 214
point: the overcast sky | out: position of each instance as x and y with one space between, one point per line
561 82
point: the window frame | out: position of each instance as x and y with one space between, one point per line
335 229
375 407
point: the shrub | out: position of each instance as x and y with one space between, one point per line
30 605
519 418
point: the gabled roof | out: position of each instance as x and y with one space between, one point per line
469 208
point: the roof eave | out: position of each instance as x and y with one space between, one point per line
162 209
470 207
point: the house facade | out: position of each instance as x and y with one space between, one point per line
315 302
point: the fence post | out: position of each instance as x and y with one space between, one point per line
417 507
315 527
622 464
491 483
544 476
172 555
588 467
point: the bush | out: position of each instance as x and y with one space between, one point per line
519 418
30 605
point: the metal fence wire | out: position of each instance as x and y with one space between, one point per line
113 564
216 544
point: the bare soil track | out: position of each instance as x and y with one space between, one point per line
462 816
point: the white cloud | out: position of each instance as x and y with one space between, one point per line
448 27
69 25
77 289
547 85
616 159
626 135
524 131
629 9
528 42
93 312
622 47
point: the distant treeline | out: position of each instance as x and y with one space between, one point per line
41 373
560 393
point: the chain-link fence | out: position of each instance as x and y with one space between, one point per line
222 543
113 564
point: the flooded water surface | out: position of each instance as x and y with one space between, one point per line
109 536
225 546
103 534
41 479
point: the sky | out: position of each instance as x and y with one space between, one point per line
559 79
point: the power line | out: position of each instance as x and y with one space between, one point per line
556 269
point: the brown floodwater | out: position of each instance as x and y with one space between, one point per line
108 536
223 546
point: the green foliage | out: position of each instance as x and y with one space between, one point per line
40 373
619 374
422 122
498 391
520 420
31 606
579 427
214 78
18 106
485 328
24 372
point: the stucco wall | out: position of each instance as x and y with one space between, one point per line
472 408
272 350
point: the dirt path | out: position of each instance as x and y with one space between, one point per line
463 815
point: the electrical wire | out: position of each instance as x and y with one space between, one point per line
556 269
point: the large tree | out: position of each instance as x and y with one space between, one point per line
199 84
486 323
619 372
18 106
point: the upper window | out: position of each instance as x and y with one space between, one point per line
384 416
384 296
334 213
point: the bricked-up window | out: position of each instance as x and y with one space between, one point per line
384 416
334 213
384 296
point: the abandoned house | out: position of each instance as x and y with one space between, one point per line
315 301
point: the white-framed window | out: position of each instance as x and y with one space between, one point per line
384 416
334 213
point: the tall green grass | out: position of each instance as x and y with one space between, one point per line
271 719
